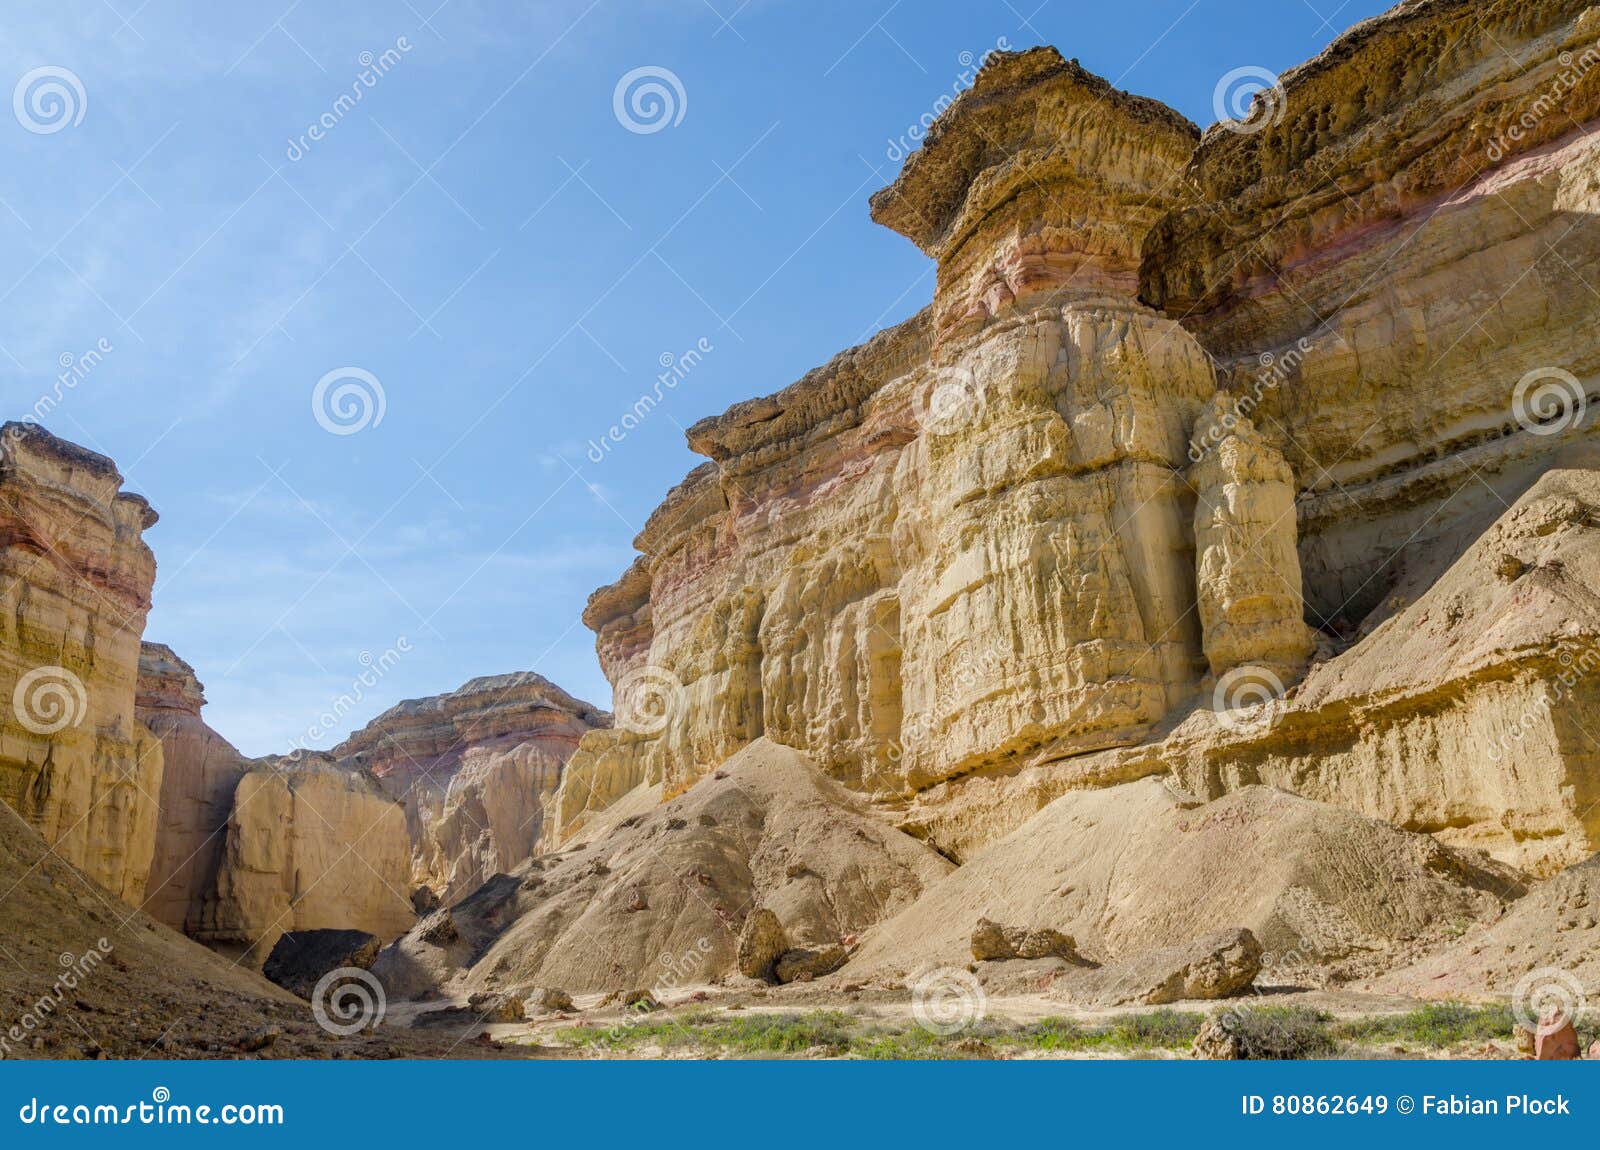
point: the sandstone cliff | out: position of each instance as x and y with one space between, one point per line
1186 415
473 768
75 580
309 845
202 771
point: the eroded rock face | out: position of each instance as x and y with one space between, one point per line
310 845
966 543
473 768
999 552
202 770
1380 262
75 580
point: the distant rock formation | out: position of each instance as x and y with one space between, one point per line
473 767
75 580
310 845
202 770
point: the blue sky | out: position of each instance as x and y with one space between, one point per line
484 237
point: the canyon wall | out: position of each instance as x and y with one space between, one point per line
309 845
1186 418
202 771
472 768
75 580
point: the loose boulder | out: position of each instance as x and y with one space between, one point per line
299 960
761 943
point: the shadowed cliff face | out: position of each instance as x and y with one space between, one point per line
75 579
1179 405
202 770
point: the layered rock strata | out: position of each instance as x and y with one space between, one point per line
75 580
1186 415
967 542
472 768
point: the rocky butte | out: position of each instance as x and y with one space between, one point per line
1201 583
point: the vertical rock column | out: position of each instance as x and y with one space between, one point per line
1248 570
75 580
